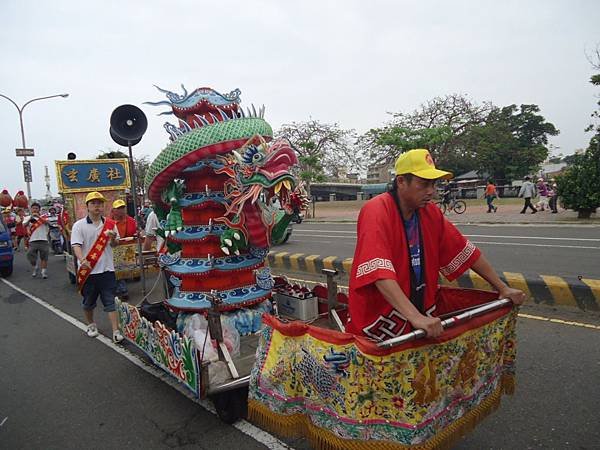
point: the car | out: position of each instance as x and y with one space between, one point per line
6 250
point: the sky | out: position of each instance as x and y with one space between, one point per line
347 62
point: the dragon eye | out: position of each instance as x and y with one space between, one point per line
252 155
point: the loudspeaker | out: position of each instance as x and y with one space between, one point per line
71 156
128 124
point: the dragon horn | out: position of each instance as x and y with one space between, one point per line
254 110
237 156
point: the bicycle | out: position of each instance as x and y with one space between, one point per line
458 206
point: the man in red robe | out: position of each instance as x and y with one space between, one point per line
403 242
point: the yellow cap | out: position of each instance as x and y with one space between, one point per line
420 163
94 196
119 204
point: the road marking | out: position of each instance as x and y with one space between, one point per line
3 421
518 244
563 322
242 425
526 316
303 230
533 237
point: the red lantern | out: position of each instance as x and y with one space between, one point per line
5 199
21 200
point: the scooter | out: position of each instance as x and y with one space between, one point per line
56 240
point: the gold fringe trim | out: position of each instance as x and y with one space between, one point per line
299 425
508 383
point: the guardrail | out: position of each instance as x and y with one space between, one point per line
583 293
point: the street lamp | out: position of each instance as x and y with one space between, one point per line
20 109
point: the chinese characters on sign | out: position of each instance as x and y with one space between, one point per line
85 175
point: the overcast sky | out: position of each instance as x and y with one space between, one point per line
348 62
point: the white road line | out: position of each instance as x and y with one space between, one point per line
517 244
536 245
533 237
3 421
300 231
244 426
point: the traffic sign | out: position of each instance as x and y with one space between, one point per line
24 151
27 171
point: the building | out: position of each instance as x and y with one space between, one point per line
380 173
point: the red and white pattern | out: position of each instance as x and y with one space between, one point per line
374 264
386 327
459 259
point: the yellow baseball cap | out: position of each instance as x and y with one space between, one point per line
94 196
419 163
119 204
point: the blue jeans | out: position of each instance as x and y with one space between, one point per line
99 284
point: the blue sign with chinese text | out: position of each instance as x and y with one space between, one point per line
92 175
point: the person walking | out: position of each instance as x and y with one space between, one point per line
90 239
528 192
126 226
20 229
37 228
490 196
553 195
543 193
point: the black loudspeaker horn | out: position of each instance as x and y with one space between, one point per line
128 124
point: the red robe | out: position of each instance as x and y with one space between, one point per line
382 253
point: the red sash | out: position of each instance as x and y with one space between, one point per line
95 253
41 220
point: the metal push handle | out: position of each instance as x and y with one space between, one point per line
448 323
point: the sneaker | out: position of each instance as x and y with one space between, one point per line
44 274
34 273
117 336
92 330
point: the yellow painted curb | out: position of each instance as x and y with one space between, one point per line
310 263
594 287
328 262
294 263
560 290
517 280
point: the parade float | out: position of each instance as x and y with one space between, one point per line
291 367
77 178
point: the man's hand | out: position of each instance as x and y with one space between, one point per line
431 325
515 295
85 263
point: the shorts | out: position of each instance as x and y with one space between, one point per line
36 247
103 285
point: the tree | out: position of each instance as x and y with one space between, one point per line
440 125
512 142
578 185
323 149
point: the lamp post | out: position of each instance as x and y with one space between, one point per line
20 109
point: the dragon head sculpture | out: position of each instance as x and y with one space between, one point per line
260 180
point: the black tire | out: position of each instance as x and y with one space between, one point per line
459 207
6 271
298 220
231 405
442 206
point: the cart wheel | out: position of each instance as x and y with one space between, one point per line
460 207
231 405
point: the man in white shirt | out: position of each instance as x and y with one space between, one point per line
37 228
101 281
152 223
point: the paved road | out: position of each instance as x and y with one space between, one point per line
568 251
61 389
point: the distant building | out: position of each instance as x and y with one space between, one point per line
380 173
551 170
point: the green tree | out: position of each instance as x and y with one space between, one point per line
512 142
440 125
579 185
